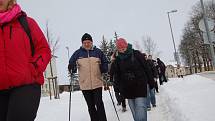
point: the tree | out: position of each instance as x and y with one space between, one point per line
150 46
137 46
53 43
112 46
192 47
104 46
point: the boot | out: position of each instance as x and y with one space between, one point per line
124 109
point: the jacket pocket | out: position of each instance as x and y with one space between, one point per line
34 71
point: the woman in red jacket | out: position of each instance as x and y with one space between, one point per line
21 66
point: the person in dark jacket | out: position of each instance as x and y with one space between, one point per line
91 63
21 72
119 97
151 99
155 71
161 71
131 76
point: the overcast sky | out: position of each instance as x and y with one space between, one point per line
131 19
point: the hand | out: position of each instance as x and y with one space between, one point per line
105 77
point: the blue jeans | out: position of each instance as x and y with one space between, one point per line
138 108
150 97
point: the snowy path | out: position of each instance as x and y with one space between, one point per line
58 109
188 99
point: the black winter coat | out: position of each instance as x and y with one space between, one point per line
132 75
161 67
153 68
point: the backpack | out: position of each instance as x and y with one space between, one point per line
24 23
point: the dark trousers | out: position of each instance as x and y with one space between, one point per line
20 103
95 104
180 76
120 99
156 86
162 78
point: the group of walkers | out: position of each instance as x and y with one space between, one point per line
132 74
25 53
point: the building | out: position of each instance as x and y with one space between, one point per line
66 86
171 70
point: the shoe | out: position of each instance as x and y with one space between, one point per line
148 109
124 109
153 105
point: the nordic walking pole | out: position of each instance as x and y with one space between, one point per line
106 78
70 95
114 105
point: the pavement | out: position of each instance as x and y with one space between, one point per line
208 74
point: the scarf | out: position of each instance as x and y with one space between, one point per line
9 15
126 54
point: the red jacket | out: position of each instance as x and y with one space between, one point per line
16 62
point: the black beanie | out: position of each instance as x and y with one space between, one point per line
86 36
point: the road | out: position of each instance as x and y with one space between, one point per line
209 74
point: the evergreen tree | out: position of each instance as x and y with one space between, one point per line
104 46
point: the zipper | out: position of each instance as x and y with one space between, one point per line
88 54
5 61
10 31
2 27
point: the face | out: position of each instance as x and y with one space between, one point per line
149 57
87 44
145 56
4 5
122 50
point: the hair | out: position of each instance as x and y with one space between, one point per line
11 4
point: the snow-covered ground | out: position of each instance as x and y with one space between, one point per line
188 99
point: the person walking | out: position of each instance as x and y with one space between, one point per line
119 97
23 59
161 71
179 72
151 99
91 63
131 76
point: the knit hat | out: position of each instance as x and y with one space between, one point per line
121 43
86 36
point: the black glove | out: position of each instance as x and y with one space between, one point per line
105 77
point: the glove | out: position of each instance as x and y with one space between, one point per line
105 77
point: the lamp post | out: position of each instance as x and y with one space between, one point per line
70 88
71 80
175 53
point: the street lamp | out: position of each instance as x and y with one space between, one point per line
70 88
175 54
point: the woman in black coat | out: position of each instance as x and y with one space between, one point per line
131 76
